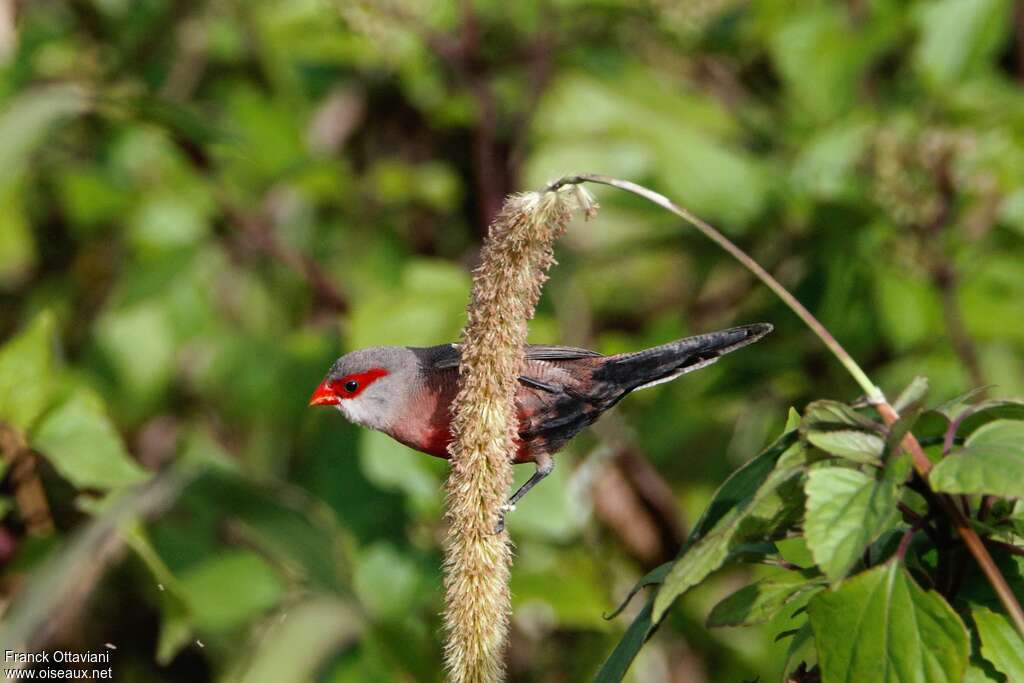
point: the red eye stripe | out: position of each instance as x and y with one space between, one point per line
362 380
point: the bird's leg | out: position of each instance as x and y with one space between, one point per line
545 464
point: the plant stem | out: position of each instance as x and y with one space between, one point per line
873 392
875 396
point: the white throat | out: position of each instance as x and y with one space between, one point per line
360 411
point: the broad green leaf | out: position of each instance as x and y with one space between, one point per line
176 117
299 534
139 342
741 485
846 510
17 248
795 551
827 165
299 642
958 36
972 415
392 466
991 462
880 626
26 121
429 304
762 600
986 411
912 395
982 672
26 372
827 413
228 589
615 667
859 446
175 617
683 139
737 515
998 434
908 308
792 420
83 445
386 581
801 649
582 589
820 59
959 405
1000 642
838 429
651 578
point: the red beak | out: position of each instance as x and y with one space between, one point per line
323 396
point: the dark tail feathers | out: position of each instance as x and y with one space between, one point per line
664 363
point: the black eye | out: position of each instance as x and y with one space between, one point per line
351 385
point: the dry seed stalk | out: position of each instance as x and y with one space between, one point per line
506 287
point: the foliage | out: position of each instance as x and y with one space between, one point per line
885 595
203 204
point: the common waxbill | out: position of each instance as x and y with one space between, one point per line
407 392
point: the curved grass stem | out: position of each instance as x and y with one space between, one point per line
889 414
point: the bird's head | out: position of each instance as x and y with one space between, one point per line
367 385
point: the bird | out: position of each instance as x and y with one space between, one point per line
407 392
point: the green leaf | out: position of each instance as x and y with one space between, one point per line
820 59
990 462
299 533
801 649
827 413
880 626
17 248
971 415
981 673
615 667
1000 642
582 590
912 395
908 308
755 502
795 551
26 121
959 405
651 578
859 446
762 600
139 343
298 644
227 590
386 581
792 420
26 372
83 445
997 434
846 510
175 617
959 36
838 429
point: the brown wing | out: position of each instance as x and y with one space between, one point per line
447 355
554 400
558 398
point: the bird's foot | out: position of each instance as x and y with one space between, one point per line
502 511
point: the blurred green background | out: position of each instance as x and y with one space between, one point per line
204 203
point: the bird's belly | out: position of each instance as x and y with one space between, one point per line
435 441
